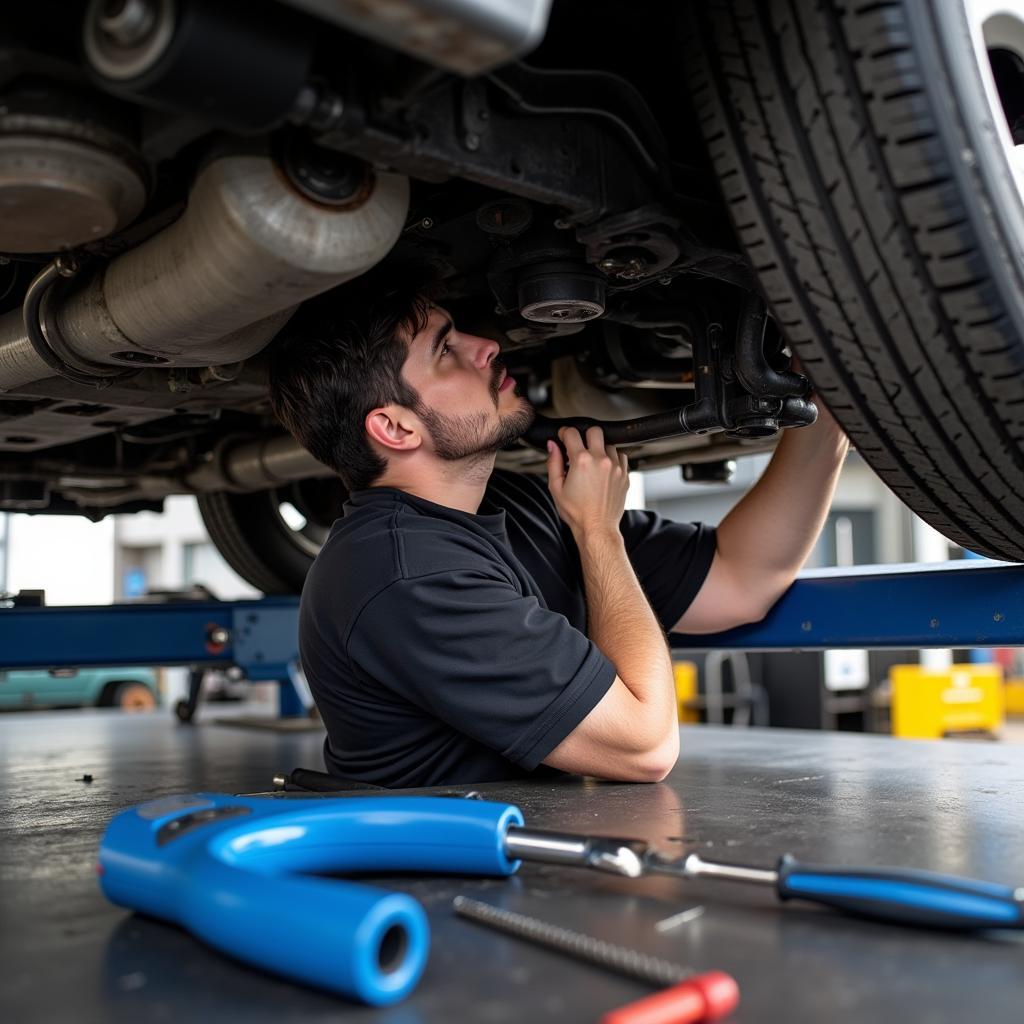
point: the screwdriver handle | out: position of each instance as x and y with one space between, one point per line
904 895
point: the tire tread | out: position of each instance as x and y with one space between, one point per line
819 127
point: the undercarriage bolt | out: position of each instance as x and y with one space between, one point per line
634 268
127 21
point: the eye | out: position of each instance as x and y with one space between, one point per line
445 348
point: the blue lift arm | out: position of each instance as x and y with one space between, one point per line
261 636
953 604
973 603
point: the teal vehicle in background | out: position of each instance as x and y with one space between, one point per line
131 689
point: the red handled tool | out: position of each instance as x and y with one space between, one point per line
691 998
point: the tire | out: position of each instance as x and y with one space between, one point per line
867 175
253 536
133 696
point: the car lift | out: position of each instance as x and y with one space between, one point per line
973 603
259 636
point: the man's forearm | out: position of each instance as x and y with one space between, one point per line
625 629
772 530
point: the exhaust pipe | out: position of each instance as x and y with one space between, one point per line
254 464
214 286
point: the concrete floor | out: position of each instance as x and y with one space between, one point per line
740 795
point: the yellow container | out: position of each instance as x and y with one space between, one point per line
1013 693
685 673
928 704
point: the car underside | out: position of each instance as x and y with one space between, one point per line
179 182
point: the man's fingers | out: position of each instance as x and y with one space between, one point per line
556 467
572 440
595 440
623 461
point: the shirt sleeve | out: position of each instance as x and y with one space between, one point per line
497 666
671 560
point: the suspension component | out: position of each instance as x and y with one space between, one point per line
725 400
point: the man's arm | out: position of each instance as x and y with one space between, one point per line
763 542
633 731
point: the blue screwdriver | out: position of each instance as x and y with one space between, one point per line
244 875
901 895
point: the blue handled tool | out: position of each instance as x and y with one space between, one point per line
238 873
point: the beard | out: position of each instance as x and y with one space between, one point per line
461 437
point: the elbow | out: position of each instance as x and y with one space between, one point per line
755 614
655 764
750 613
757 606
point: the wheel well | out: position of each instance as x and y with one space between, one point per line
106 697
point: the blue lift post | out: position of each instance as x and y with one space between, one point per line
954 604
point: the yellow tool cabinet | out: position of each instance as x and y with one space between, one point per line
928 704
685 673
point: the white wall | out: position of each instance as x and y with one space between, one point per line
172 532
78 562
69 557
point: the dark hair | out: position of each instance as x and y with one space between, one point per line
344 357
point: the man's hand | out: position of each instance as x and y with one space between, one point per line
591 495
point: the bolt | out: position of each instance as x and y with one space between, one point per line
4 260
609 265
665 279
998 617
561 225
805 626
219 636
127 22
934 623
317 107
564 313
329 110
634 268
427 223
304 105
471 141
67 264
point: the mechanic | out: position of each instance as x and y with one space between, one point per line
462 624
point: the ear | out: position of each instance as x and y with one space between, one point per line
394 427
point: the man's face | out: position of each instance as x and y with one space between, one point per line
468 403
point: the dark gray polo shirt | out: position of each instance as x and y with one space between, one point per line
443 647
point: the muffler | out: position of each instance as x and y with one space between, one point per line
216 285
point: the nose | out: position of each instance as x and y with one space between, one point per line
484 351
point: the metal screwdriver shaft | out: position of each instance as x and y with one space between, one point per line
626 961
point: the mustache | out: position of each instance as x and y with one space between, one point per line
497 370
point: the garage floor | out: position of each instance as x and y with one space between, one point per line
739 795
